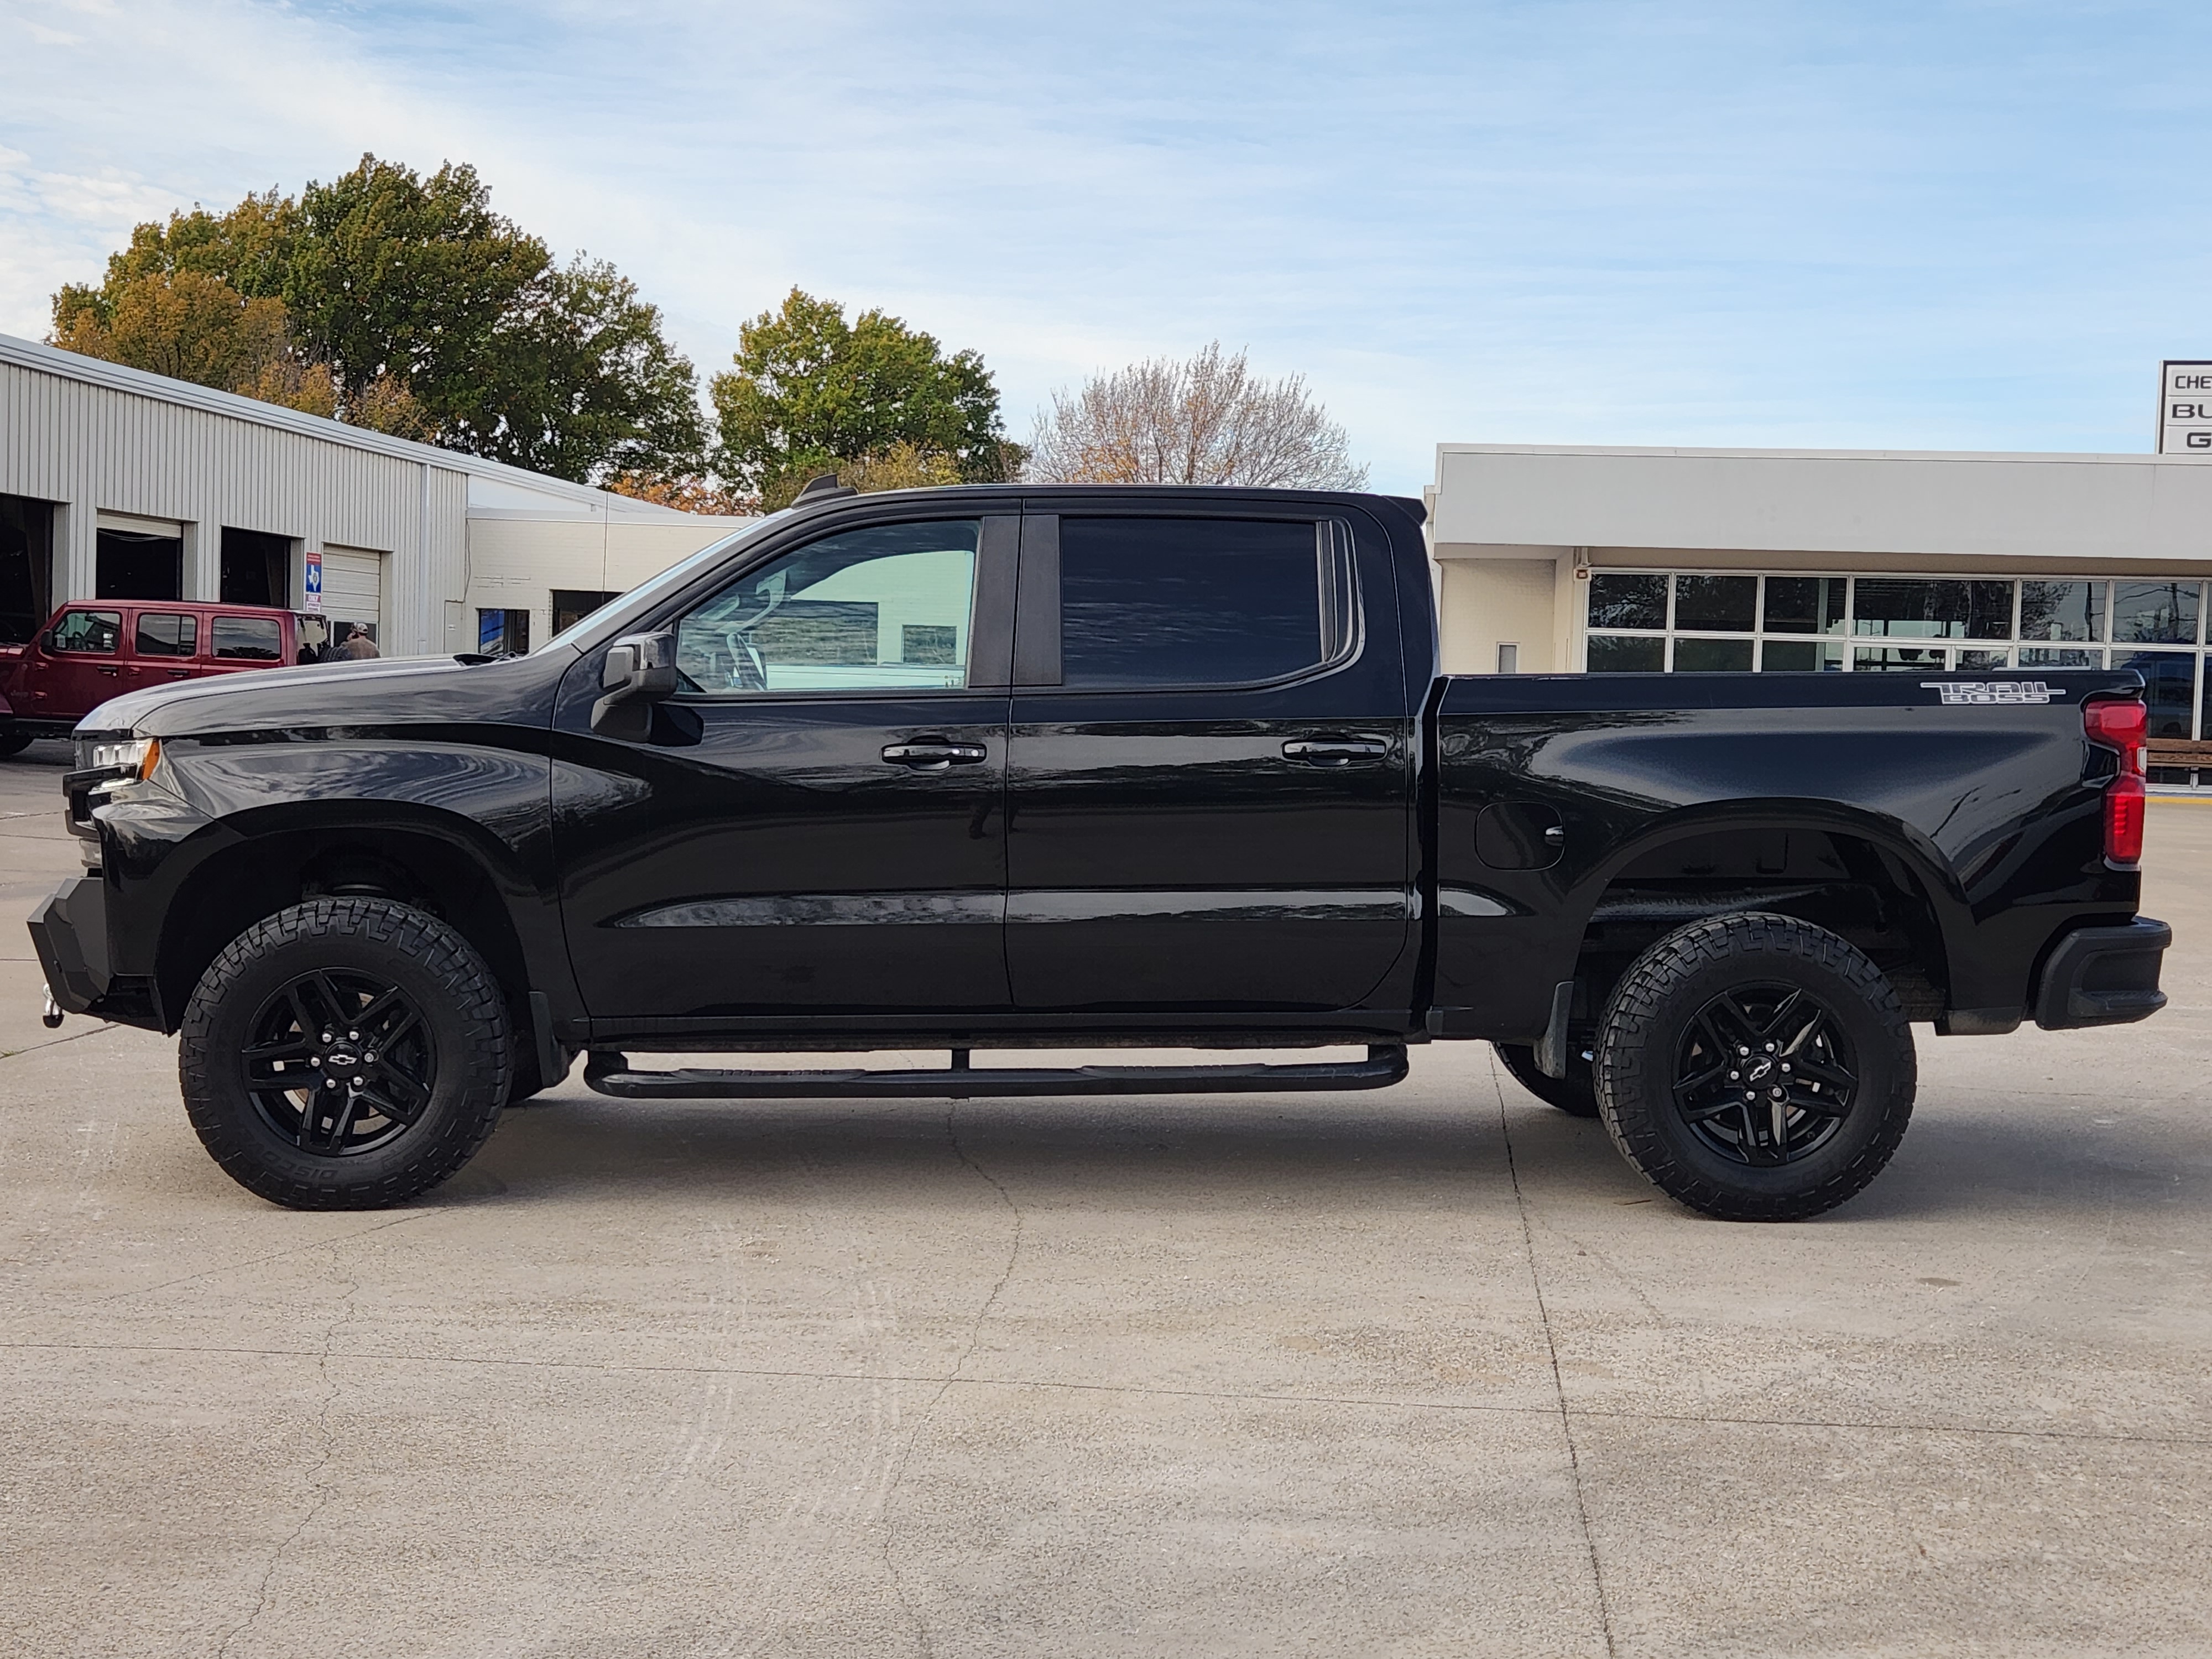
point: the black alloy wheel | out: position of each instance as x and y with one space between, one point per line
1766 1074
340 1063
345 1054
1755 1067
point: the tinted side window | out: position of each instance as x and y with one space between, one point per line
260 639
1166 602
886 609
88 630
164 633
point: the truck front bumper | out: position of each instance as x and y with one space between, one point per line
69 934
2103 977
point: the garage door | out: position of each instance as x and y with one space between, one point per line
353 590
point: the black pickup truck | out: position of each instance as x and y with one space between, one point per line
1006 767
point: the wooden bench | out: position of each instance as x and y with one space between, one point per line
2180 751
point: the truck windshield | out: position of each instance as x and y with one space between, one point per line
642 596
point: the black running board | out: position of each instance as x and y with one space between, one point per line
610 1073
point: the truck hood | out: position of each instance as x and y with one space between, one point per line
380 694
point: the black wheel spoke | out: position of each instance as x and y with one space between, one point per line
328 1116
1763 1075
321 1029
1790 1010
399 1096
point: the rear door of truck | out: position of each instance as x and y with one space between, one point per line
1211 759
164 646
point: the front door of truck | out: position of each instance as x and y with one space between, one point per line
1211 766
79 664
818 826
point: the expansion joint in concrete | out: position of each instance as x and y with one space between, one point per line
1558 1384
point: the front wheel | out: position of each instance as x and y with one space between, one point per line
13 741
344 1054
1755 1067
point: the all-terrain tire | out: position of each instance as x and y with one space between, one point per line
1575 1094
1656 1032
13 741
461 1025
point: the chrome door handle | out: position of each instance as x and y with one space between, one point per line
935 753
1335 752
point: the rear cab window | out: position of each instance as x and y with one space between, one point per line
1156 603
247 639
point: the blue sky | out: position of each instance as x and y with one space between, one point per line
1965 225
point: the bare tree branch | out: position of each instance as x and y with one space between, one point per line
1206 420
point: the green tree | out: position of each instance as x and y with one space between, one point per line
432 317
193 326
813 393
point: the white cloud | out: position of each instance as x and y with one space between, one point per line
1606 219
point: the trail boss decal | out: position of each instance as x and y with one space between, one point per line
1991 692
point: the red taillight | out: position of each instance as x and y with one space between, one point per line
2124 726
2123 819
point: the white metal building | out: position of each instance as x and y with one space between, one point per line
1671 559
118 484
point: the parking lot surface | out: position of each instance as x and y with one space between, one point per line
1428 1371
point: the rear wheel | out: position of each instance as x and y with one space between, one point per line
1575 1094
13 741
344 1054
1755 1067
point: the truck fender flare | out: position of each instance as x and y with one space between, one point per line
1923 858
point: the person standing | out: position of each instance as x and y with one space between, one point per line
358 647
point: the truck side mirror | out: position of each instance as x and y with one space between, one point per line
640 671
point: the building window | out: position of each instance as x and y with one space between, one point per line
503 633
572 604
1709 621
257 568
135 564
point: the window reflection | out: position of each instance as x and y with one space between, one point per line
2061 611
1912 608
2149 611
1619 600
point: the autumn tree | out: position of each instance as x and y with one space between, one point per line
193 326
811 392
1208 420
434 317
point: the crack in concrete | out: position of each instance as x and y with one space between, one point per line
255 1262
314 1474
945 1384
1558 1384
1245 1396
54 1042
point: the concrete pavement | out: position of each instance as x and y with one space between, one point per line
1423 1371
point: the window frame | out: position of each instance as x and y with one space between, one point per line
1039 665
990 626
53 646
1845 639
216 622
191 621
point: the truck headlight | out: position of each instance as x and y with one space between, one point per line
129 758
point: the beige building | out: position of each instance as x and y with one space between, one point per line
1555 559
115 483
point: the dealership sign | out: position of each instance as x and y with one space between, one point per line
2184 408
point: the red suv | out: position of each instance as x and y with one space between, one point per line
91 650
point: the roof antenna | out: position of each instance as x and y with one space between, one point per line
821 489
